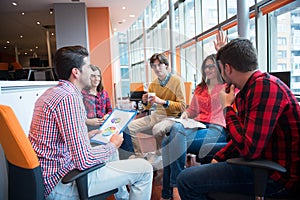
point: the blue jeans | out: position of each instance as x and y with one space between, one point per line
178 143
196 182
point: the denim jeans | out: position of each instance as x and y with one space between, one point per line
178 143
196 182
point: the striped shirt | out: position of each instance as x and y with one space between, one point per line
267 126
59 136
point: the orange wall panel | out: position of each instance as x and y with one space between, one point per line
99 28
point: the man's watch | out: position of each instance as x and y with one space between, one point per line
166 105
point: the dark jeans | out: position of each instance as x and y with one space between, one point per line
196 182
126 149
178 143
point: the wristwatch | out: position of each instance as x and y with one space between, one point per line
166 105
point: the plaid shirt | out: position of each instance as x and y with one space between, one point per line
59 136
96 106
267 126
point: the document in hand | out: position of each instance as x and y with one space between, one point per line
189 123
115 122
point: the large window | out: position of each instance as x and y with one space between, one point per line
285 53
275 34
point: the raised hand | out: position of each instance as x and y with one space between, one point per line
221 40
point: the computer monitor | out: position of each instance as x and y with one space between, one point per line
44 63
283 76
35 62
136 95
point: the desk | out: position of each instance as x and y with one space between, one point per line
40 69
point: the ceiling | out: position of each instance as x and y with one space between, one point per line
23 32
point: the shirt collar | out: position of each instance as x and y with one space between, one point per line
69 86
251 80
164 82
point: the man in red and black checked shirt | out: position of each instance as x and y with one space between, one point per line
265 126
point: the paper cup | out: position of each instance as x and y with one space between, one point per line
151 94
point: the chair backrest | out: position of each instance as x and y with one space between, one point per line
138 87
136 91
188 92
16 65
24 173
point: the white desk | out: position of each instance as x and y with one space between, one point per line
39 69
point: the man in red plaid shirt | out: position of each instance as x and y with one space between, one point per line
265 126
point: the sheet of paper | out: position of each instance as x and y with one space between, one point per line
189 123
115 122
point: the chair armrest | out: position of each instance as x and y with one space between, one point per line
261 169
263 164
75 173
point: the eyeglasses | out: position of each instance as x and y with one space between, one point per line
158 65
210 66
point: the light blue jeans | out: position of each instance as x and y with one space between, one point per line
180 141
137 173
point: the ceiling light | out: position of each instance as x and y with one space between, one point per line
25 53
38 23
123 7
132 16
5 47
52 34
124 20
14 4
36 47
115 29
21 36
51 11
7 42
22 13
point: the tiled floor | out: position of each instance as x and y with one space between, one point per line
157 182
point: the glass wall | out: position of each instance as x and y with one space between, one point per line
275 34
285 43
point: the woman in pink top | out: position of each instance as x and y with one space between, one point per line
206 108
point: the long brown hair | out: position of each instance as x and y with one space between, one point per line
100 85
203 82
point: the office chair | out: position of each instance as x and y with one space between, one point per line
136 93
260 168
25 179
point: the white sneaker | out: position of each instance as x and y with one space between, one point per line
138 155
155 160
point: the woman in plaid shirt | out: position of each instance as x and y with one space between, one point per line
96 100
